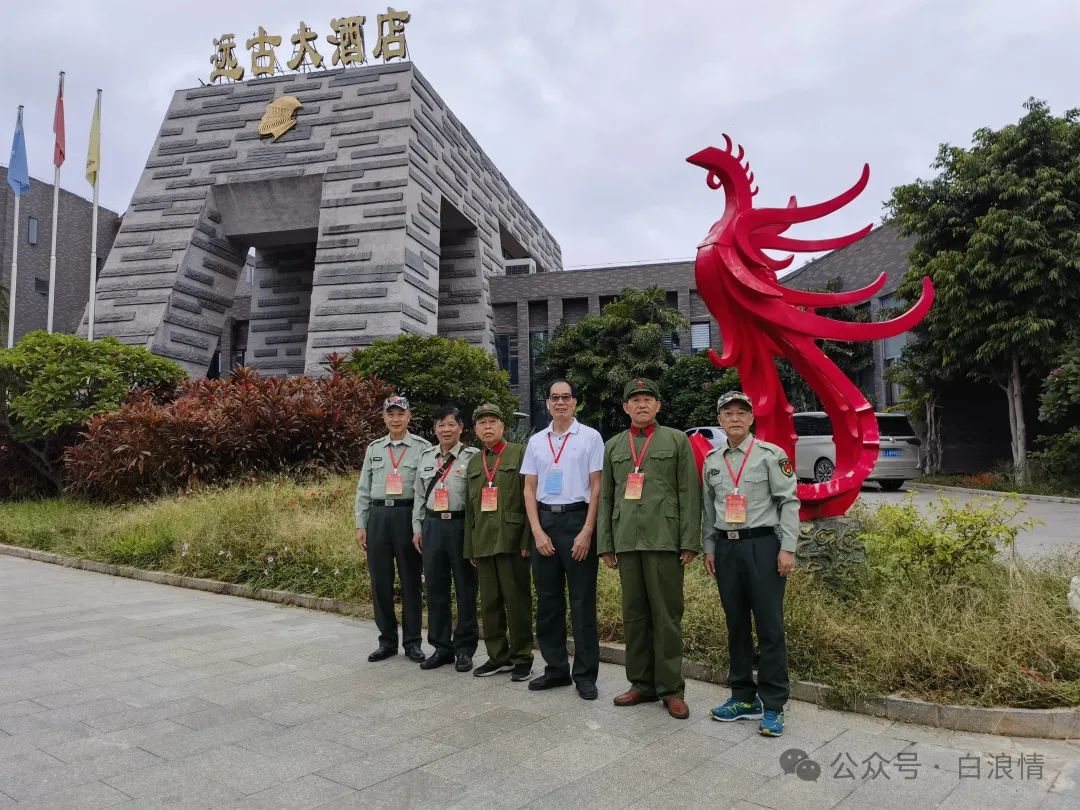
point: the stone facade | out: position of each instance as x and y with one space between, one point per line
72 254
376 214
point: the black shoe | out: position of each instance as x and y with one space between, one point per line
548 682
491 668
381 653
522 672
585 690
434 661
463 663
414 654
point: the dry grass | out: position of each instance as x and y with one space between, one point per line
999 636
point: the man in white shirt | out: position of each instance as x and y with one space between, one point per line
562 469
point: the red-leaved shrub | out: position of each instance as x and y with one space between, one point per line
217 431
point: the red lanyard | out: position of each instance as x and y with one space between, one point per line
396 462
483 460
450 466
558 455
640 459
736 478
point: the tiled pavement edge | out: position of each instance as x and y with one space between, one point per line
120 693
1060 724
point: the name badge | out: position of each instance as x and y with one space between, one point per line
394 484
442 498
734 508
489 499
553 483
635 482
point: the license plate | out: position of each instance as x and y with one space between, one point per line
892 452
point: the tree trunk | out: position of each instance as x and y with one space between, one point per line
1007 388
932 459
1016 396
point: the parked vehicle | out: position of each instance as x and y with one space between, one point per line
898 458
714 434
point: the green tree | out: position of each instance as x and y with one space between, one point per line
4 303
600 353
997 231
689 390
433 371
51 386
1059 456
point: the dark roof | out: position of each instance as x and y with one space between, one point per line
882 250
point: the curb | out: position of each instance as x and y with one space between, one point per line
1056 724
989 492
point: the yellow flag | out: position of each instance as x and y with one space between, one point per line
93 153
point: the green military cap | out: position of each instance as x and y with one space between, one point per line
640 385
734 396
488 409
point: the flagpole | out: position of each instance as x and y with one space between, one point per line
14 275
93 233
55 205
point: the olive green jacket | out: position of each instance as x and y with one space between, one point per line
507 529
668 515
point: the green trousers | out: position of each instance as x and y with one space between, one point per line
506 608
652 598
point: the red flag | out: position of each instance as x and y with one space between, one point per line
58 125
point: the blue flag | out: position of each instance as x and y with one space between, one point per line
18 176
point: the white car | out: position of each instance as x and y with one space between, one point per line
898 458
714 434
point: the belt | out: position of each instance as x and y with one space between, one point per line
579 506
747 534
392 502
446 515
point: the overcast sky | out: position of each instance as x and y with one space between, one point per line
590 108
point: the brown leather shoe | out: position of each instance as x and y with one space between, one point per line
632 698
677 708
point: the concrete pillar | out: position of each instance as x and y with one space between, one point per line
594 304
524 360
554 308
280 311
684 308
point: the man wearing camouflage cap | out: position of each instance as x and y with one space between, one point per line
650 529
384 501
751 531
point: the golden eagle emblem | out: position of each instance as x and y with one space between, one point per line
280 117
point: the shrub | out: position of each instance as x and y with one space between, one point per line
217 431
50 386
433 371
948 543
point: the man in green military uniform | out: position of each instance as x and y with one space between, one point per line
751 531
650 529
497 541
439 536
384 500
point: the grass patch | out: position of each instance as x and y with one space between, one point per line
1002 482
1002 634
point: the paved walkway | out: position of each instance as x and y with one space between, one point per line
118 693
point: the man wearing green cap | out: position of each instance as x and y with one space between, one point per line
751 531
497 541
650 529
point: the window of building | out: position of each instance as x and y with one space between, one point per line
239 344
506 358
672 341
32 230
699 337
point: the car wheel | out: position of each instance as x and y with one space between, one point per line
891 485
823 470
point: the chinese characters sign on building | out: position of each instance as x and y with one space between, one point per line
347 39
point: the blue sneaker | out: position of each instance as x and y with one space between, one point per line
738 710
772 724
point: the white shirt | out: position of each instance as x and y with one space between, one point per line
583 454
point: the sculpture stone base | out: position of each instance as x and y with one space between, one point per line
830 548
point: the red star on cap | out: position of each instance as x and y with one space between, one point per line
639 382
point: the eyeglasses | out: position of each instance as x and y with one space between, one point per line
560 397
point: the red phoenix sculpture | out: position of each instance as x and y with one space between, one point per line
761 319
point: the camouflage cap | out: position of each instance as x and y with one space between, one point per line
488 409
640 385
396 402
734 396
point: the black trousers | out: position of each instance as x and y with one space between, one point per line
390 542
443 543
553 576
749 584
